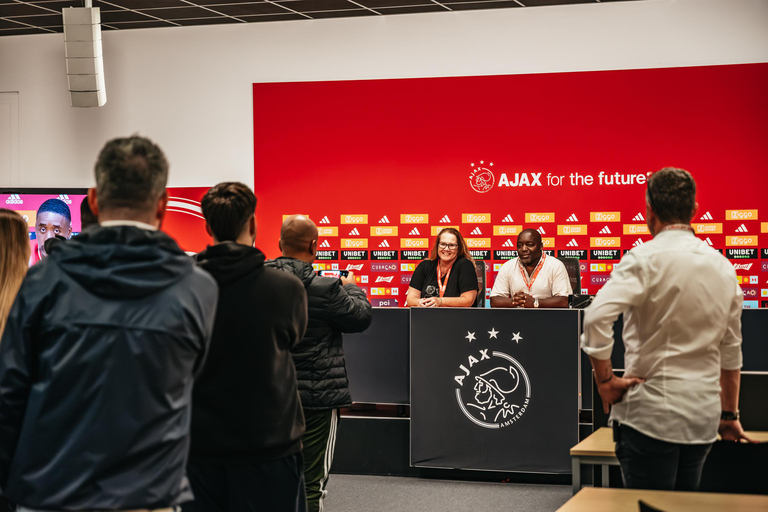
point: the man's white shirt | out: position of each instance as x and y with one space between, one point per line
552 280
682 323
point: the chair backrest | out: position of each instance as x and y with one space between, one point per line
480 268
574 273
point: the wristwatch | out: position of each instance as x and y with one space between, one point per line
535 302
729 415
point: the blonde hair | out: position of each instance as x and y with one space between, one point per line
14 259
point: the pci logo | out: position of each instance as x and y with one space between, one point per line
572 229
742 240
354 243
711 228
383 267
15 199
354 219
741 214
383 279
605 216
407 267
413 243
327 231
604 241
354 267
384 303
476 218
478 242
481 179
540 217
383 230
414 218
507 230
636 229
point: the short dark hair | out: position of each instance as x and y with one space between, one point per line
56 206
671 193
131 173
226 208
87 218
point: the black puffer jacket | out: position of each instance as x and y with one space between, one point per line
319 357
96 369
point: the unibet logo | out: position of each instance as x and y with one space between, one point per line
477 218
354 243
383 231
354 219
540 217
414 218
604 242
605 216
740 214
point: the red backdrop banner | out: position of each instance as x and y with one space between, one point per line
380 165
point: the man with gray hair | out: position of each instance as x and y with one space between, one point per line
682 332
100 352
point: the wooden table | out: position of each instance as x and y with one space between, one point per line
600 449
596 499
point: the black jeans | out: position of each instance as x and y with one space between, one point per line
275 486
647 463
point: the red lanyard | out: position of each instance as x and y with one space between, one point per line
440 283
535 273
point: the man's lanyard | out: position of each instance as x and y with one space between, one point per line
440 283
535 272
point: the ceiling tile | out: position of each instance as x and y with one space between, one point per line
248 9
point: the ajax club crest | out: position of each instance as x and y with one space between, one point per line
492 388
481 179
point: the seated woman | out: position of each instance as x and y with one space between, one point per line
448 278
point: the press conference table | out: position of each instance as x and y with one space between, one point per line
599 499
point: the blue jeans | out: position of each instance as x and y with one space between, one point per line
647 463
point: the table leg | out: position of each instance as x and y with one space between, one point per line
605 468
576 470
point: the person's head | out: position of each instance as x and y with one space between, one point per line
131 174
14 259
298 238
229 210
670 197
87 218
529 246
53 218
449 246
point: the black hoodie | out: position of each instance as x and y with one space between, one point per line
96 370
246 404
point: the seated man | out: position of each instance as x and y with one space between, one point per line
533 279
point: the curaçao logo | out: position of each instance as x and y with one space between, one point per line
481 179
492 389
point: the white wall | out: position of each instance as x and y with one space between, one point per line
189 88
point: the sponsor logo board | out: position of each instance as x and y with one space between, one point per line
413 255
436 229
383 230
741 254
414 218
383 255
504 254
327 255
354 255
328 231
598 280
547 242
413 243
604 241
478 242
360 218
540 217
484 255
354 243
741 214
383 267
476 218
507 230
572 229
708 228
384 303
604 254
605 216
636 229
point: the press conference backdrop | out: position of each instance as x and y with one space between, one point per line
382 165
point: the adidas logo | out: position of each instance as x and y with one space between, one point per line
637 243
445 219
541 231
508 218
742 229
325 244
384 244
572 243
572 218
14 199
605 231
476 231
354 232
354 267
508 243
324 220
65 198
384 220
638 217
382 279
709 242
414 232
706 216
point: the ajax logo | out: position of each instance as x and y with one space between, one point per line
493 389
481 179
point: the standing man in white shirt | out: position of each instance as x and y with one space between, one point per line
682 336
533 279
